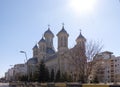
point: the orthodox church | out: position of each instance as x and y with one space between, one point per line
60 60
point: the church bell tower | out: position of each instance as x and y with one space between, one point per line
62 40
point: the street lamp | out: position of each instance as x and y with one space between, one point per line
24 53
26 63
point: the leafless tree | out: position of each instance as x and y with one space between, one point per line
92 49
77 63
79 58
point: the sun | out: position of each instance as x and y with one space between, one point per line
82 6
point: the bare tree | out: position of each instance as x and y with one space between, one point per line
79 57
92 49
77 63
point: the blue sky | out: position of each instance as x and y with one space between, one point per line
23 22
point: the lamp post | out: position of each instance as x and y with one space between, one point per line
24 53
26 63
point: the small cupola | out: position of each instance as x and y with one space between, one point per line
48 33
35 47
35 51
42 40
80 39
62 40
62 31
49 38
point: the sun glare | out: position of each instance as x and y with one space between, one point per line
82 6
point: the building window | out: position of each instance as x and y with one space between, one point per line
112 76
112 70
111 60
62 41
65 41
111 65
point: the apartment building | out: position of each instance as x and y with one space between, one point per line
108 67
15 72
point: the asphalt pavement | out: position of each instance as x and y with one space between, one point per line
4 84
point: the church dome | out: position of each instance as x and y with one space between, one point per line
48 33
35 47
32 60
80 37
42 40
63 31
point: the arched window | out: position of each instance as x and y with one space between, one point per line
65 41
40 48
61 41
43 48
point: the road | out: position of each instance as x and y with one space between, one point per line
4 84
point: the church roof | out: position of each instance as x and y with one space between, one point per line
42 40
80 36
48 32
32 61
62 31
35 46
50 51
51 57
